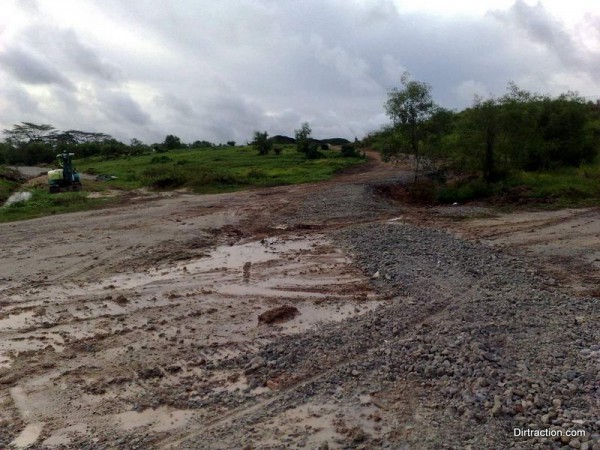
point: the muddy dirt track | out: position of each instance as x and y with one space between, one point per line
264 319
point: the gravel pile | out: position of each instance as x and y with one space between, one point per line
343 201
484 345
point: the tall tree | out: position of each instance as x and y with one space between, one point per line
262 143
304 142
172 142
409 108
29 132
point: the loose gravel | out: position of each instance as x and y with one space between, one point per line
473 338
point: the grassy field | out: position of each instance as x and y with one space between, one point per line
567 187
212 170
43 204
205 170
6 188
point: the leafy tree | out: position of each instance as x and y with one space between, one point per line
112 149
201 144
409 108
26 132
231 143
304 143
262 143
565 128
172 142
487 121
137 147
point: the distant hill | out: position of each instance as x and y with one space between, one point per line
334 141
279 139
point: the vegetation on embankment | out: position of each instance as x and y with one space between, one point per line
566 187
521 148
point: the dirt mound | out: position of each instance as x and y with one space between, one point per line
280 314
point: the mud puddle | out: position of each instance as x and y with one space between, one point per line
129 338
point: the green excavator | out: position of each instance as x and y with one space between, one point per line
65 179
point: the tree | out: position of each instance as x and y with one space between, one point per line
112 149
487 118
26 132
231 143
409 108
172 142
137 147
201 144
262 143
304 142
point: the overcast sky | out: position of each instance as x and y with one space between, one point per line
218 70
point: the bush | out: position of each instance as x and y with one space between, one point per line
165 177
463 191
348 151
262 143
256 174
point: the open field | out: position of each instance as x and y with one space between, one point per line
144 326
205 170
223 169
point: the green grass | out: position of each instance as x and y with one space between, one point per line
202 170
569 186
566 187
7 187
211 170
43 203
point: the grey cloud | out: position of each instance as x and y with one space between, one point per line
31 69
120 106
65 47
233 117
87 58
17 99
538 25
182 108
30 6
224 69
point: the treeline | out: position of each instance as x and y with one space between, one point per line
29 144
304 143
494 137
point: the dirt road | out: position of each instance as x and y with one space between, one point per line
233 320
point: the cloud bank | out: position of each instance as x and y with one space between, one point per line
220 70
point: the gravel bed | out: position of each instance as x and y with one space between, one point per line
344 201
472 337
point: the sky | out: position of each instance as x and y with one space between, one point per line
218 71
